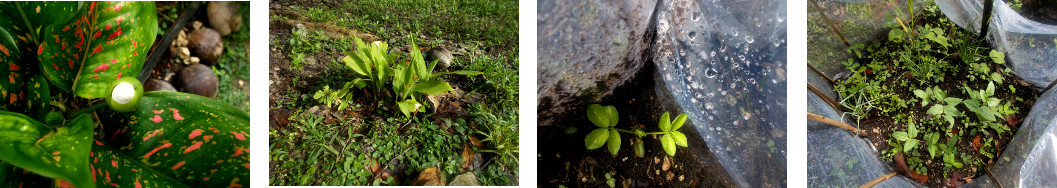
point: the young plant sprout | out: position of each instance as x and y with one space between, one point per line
605 117
124 94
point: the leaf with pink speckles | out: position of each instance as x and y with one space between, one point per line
104 41
26 20
111 167
13 73
61 153
184 135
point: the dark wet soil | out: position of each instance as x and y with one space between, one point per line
564 160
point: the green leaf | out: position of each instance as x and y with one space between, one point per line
993 102
13 73
936 109
990 89
184 135
951 101
61 153
987 113
26 20
998 57
459 72
613 116
679 138
614 142
895 35
909 145
932 150
920 94
900 135
912 131
598 115
408 106
432 87
640 149
596 138
665 123
116 168
678 123
103 42
668 144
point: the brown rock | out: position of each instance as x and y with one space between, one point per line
429 177
206 44
157 85
198 79
224 17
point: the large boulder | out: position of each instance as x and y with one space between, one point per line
587 48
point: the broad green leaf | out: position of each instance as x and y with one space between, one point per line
950 110
920 94
895 35
611 111
998 57
354 63
111 167
665 123
987 113
597 114
596 138
951 101
408 106
13 73
614 141
972 105
432 87
900 135
912 131
104 41
27 20
993 102
935 109
909 145
184 136
679 138
61 153
932 150
37 96
678 123
990 89
668 144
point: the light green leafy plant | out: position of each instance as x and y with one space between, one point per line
606 118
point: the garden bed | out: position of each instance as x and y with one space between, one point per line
937 103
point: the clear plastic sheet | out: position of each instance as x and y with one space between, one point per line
836 158
723 62
1030 47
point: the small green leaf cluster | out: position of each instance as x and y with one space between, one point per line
942 105
606 118
987 108
380 71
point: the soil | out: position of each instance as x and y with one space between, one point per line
563 159
879 128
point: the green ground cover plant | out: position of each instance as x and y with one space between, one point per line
939 100
606 118
65 63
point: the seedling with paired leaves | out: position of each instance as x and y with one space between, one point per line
606 118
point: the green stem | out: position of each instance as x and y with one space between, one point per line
86 110
627 131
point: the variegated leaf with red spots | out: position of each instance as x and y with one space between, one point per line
60 153
106 40
185 136
26 20
12 75
111 168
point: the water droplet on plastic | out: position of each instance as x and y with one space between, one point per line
695 16
691 35
749 39
711 73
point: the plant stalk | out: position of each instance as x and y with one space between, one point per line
86 110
